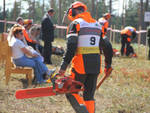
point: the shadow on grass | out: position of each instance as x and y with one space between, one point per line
24 83
33 85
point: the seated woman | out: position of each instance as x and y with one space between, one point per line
34 34
20 53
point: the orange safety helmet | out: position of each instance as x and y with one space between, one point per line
74 6
107 15
28 21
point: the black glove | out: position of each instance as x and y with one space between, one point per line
108 69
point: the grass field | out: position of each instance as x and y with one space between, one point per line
127 90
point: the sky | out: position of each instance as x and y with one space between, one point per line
9 3
116 5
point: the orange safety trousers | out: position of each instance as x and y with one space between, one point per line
85 104
81 105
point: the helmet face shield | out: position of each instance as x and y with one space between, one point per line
65 19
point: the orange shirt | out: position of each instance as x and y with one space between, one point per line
27 36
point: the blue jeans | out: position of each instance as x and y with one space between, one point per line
35 63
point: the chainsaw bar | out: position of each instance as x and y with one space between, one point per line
35 92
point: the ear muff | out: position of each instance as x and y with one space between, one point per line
73 12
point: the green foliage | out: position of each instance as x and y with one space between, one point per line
131 11
100 9
132 14
38 13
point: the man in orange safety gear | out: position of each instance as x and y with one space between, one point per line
28 23
83 49
127 34
104 23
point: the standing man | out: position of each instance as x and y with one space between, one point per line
20 21
104 23
127 35
83 45
47 30
148 38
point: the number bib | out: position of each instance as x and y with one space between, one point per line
88 44
89 37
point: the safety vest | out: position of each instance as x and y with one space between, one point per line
102 21
89 37
88 44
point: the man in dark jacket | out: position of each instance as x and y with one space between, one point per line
47 30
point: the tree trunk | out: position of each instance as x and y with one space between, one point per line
110 10
14 11
59 13
20 6
142 23
52 3
104 7
4 15
139 18
93 8
124 7
146 9
4 12
97 9
59 18
141 14
30 9
33 9
146 5
43 7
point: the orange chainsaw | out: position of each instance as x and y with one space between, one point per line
60 86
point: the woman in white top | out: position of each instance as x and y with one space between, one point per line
20 53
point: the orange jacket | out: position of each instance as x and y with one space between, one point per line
28 39
129 32
126 31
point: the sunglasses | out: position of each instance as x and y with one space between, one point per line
20 33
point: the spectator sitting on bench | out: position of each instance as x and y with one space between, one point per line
34 33
20 53
26 24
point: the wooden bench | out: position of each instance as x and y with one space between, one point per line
6 53
3 37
